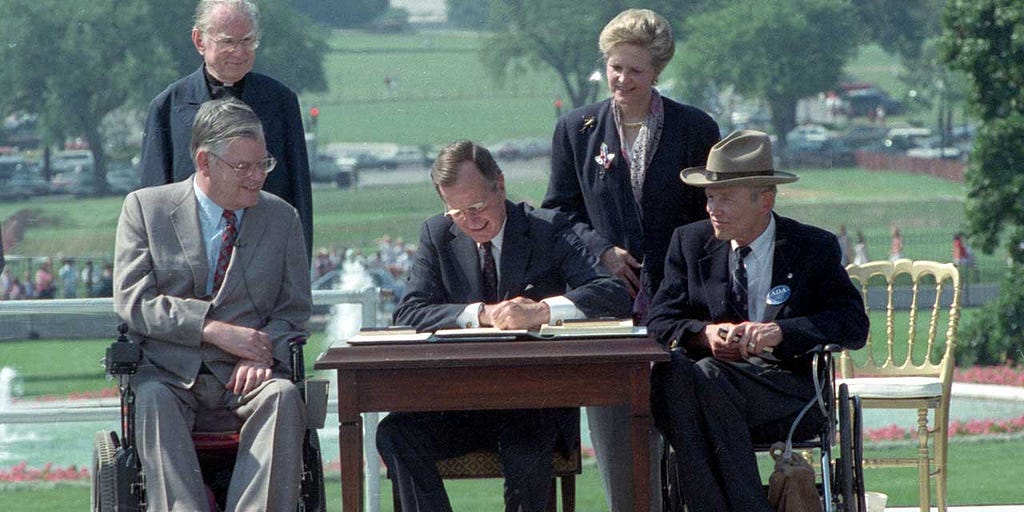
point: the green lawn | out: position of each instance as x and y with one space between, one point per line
980 472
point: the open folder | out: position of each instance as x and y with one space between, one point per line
568 329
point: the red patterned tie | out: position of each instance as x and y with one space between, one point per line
227 245
490 275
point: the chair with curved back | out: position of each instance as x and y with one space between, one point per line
485 464
911 366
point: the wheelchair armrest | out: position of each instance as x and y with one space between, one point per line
298 362
316 402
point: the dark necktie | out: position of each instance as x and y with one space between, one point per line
227 246
490 275
739 282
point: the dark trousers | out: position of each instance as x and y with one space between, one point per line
412 443
713 411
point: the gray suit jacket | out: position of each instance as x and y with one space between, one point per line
160 274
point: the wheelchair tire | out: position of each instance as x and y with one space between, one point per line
104 472
312 497
845 464
858 453
671 481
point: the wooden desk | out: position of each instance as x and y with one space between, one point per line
495 375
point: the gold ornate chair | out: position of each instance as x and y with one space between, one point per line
485 464
911 366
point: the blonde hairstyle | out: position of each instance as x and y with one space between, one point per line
642 27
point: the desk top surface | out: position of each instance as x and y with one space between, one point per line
496 353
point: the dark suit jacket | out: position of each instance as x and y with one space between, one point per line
823 307
541 257
160 274
600 202
165 143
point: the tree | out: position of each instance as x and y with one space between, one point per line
778 50
900 27
342 13
561 36
983 39
468 14
75 62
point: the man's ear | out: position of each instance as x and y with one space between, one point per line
197 40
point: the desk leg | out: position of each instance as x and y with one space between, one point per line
350 440
350 444
640 427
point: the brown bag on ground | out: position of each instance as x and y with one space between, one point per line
791 486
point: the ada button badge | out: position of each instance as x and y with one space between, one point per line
778 295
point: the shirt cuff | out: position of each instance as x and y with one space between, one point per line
470 316
562 309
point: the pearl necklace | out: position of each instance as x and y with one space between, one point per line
634 125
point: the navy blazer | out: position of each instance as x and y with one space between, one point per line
165 144
541 257
600 201
823 306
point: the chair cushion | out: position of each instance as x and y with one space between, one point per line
893 387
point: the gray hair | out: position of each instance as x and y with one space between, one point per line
642 27
206 9
219 122
446 168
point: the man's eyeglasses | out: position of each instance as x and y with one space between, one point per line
246 169
248 43
469 211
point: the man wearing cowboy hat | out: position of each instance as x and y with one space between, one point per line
745 295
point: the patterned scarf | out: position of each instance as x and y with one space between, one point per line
639 156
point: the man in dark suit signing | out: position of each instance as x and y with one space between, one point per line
745 295
211 276
227 34
490 262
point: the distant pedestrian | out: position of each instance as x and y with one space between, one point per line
69 279
844 244
895 244
88 277
860 249
44 287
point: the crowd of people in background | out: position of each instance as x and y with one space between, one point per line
392 256
69 281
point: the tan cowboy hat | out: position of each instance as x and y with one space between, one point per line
742 158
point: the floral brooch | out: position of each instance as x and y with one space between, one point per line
605 159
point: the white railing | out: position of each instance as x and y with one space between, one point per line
107 409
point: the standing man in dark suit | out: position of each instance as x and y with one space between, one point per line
739 371
490 262
227 33
211 276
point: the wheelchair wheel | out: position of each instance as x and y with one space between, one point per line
858 454
845 464
103 497
312 498
672 492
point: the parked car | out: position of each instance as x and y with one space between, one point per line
26 182
825 154
71 160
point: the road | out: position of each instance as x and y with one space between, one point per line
515 170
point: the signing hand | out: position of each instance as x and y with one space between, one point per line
247 376
243 342
517 313
620 263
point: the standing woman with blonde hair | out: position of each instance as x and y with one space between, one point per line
615 172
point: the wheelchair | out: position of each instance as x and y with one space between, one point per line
841 478
118 484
